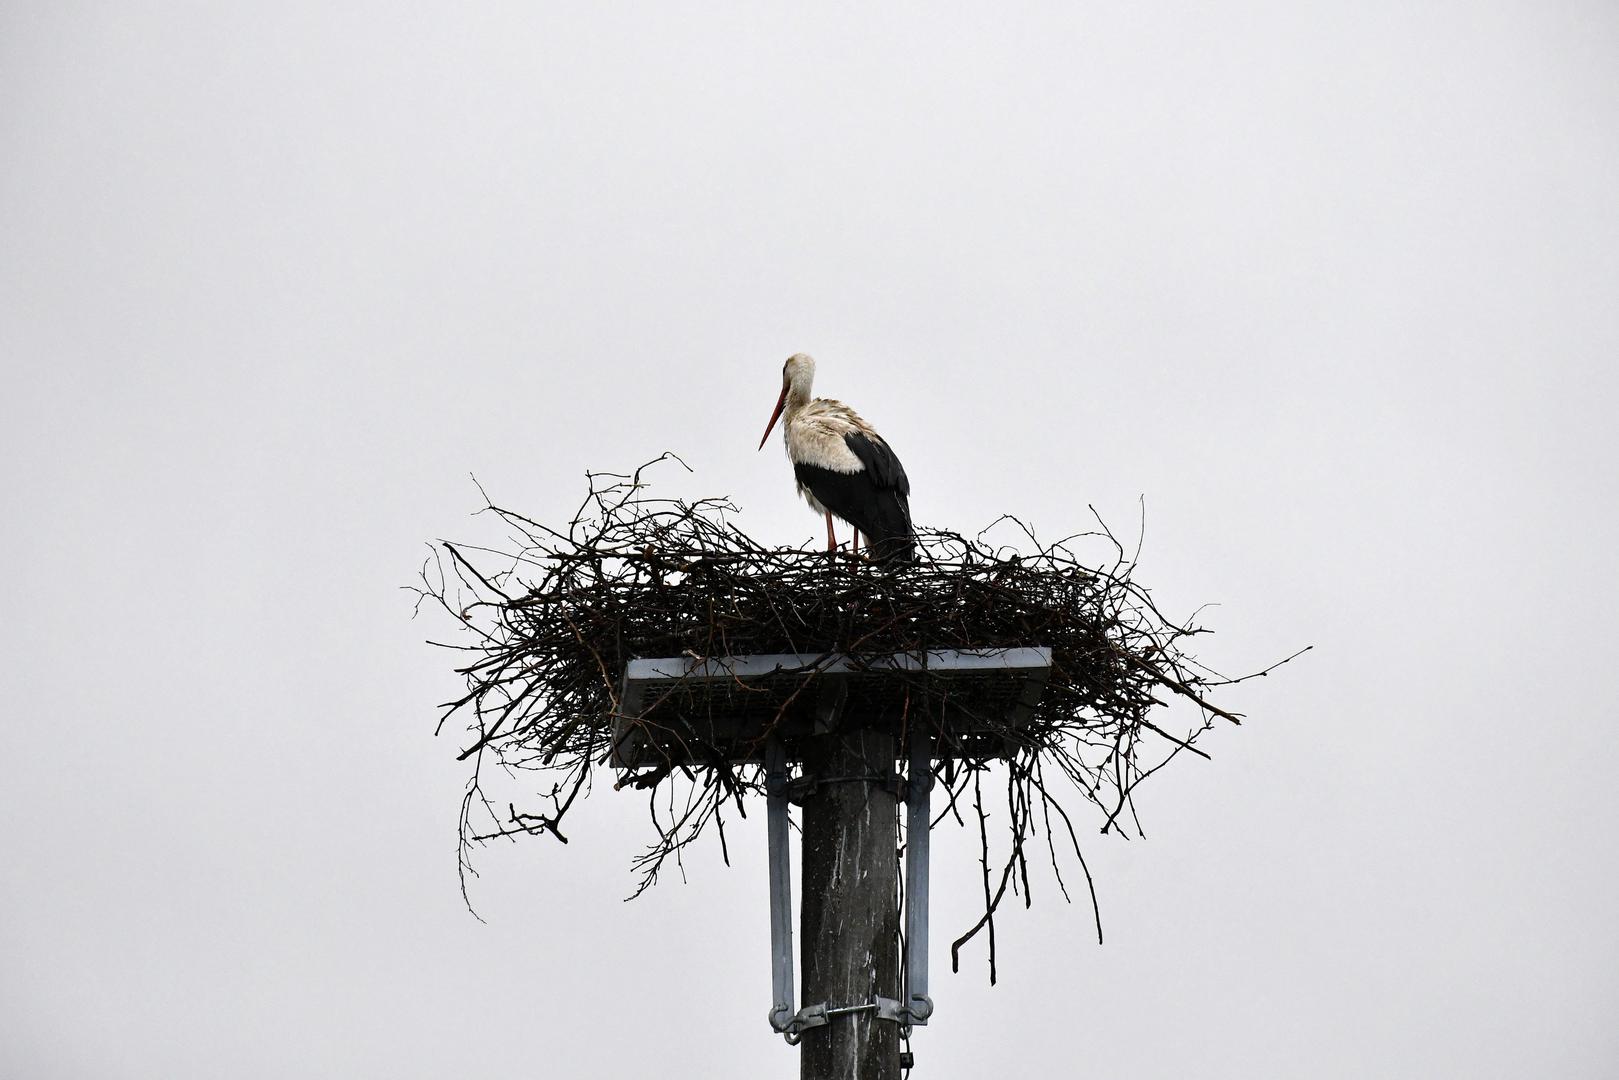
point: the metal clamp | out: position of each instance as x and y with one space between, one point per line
916 1013
889 1009
792 1028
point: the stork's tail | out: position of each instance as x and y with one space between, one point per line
894 549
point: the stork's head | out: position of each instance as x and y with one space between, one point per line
799 369
796 376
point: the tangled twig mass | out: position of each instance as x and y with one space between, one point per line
551 620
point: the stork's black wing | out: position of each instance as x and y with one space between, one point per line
881 462
875 500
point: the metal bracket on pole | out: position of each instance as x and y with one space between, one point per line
783 1017
916 1006
918 818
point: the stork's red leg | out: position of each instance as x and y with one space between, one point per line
857 541
831 540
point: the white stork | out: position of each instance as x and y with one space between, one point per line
843 467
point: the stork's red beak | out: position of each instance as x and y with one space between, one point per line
781 403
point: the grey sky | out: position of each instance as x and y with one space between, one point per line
1332 286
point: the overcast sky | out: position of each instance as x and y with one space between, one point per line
1333 288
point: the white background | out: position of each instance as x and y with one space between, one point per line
1332 287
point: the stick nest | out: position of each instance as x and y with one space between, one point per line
551 618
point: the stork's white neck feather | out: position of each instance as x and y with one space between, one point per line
800 375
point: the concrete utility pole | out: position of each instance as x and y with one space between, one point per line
849 929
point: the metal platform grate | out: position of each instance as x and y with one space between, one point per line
690 710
